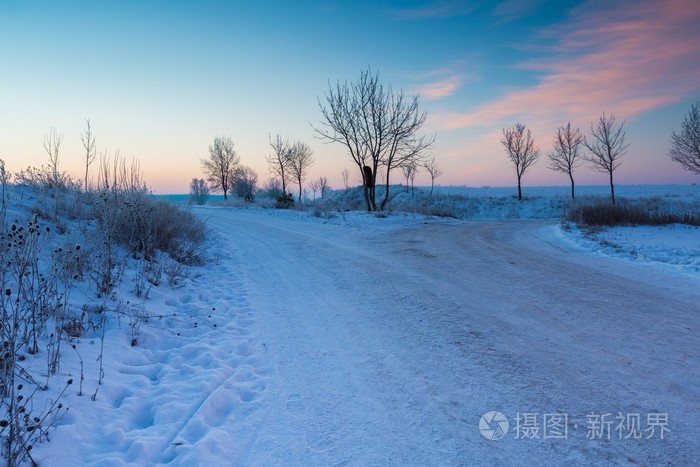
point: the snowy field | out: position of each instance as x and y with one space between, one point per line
360 340
681 192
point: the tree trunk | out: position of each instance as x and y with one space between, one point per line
367 200
386 192
368 183
573 196
373 189
520 191
612 188
432 185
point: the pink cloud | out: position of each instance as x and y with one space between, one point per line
441 88
626 59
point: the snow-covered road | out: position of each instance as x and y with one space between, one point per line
385 345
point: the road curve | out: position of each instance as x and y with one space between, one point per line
389 343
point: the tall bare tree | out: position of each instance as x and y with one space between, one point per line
278 161
300 160
220 167
404 147
521 150
434 171
409 170
685 146
88 139
315 186
565 155
52 145
378 126
323 186
346 178
607 147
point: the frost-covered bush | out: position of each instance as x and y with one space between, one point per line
199 191
145 225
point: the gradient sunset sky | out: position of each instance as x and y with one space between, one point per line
160 79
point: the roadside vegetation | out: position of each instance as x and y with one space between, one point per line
66 252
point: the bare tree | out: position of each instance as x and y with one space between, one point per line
88 139
378 126
685 147
278 161
346 178
199 191
245 183
315 186
300 159
221 165
434 171
565 156
404 147
409 170
607 147
521 150
52 144
323 186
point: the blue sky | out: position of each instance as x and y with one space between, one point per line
160 79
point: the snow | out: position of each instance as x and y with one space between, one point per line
672 247
363 340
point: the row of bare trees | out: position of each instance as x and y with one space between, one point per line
605 150
288 162
381 128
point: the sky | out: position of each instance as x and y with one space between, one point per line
159 80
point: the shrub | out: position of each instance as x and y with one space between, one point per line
199 191
284 201
641 212
35 295
245 184
144 225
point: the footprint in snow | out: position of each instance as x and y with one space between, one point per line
294 403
